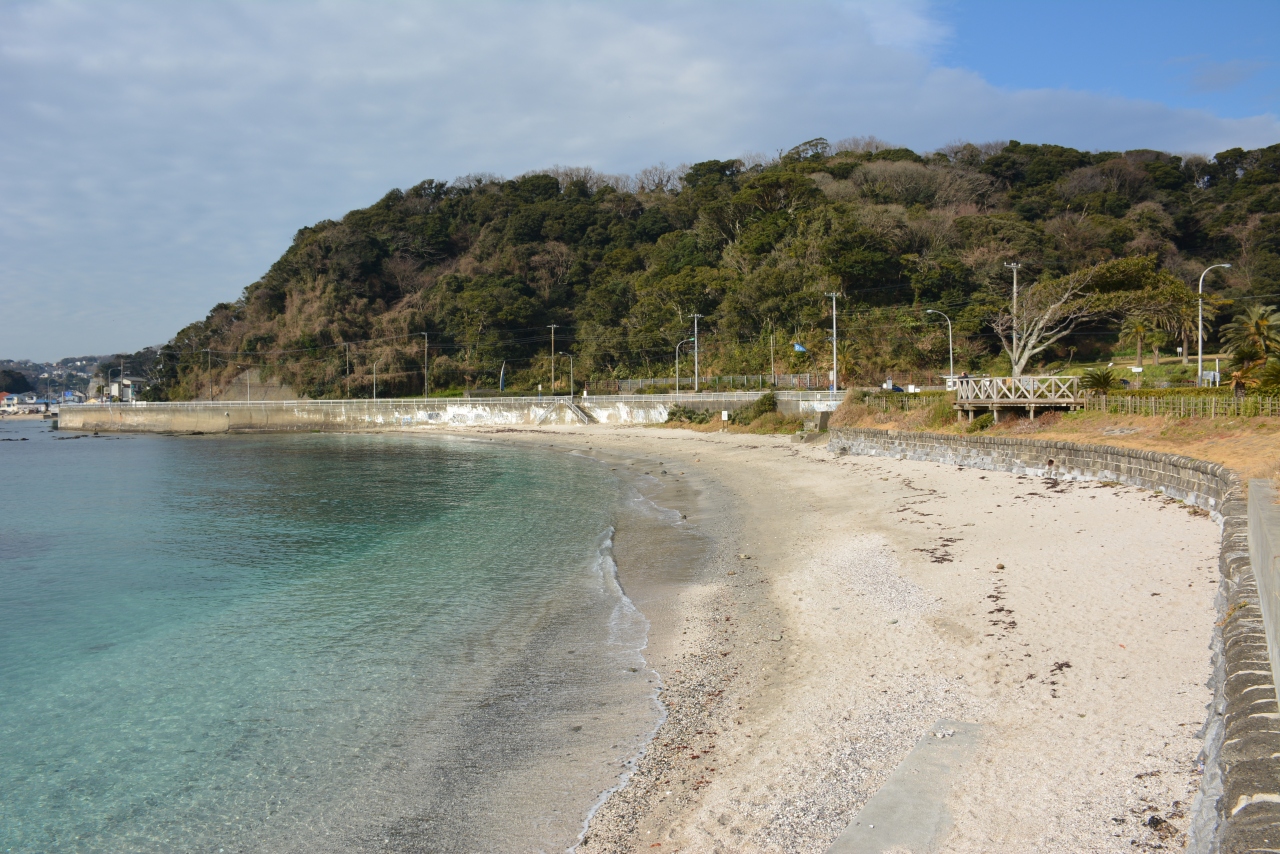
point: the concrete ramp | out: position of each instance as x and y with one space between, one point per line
909 813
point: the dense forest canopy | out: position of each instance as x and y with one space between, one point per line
484 266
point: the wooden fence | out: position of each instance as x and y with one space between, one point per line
1186 405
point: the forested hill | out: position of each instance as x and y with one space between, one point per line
484 266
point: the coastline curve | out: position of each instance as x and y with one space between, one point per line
1237 808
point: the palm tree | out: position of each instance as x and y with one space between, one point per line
1099 379
1269 375
1159 338
1258 326
1246 360
1136 328
1182 322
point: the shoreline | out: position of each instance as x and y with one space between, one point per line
797 679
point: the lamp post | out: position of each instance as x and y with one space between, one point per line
951 350
375 379
570 355
1200 325
552 327
696 372
678 345
773 366
835 376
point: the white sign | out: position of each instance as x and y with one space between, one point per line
1136 370
724 415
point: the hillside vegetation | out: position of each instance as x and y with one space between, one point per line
484 266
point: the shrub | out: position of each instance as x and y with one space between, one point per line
982 422
767 402
686 414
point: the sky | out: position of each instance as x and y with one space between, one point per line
157 157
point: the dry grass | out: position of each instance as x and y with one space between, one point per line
1250 446
770 422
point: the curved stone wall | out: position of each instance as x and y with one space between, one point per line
1238 807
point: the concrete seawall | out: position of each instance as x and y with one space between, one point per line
1238 807
407 414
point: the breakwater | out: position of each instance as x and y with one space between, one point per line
1238 806
407 414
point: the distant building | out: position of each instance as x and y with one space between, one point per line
26 401
127 389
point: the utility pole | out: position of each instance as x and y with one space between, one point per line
375 380
835 375
1015 267
696 372
347 347
552 327
426 378
1200 329
208 357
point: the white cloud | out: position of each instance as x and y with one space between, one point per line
155 158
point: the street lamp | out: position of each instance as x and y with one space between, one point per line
835 376
570 355
1200 325
678 344
951 351
552 327
696 372
1013 333
109 370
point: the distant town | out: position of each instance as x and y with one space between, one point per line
30 388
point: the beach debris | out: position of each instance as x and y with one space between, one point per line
944 733
732 572
744 557
891 622
999 566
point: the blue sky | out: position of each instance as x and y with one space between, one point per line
156 157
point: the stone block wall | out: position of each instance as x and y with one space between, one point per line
1238 807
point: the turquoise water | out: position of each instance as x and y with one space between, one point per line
310 643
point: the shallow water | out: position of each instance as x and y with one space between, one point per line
310 643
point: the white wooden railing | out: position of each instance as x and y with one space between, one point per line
1018 389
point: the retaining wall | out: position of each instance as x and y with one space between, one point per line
402 414
1238 807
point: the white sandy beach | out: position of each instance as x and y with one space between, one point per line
876 597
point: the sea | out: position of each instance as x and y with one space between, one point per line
314 642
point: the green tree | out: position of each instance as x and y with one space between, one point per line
1136 330
1258 326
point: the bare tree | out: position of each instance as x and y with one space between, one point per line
1042 314
660 178
550 267
864 144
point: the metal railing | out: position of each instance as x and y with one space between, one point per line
1050 390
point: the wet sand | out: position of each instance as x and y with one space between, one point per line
847 603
